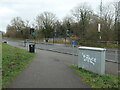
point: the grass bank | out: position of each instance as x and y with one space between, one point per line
97 81
14 60
0 65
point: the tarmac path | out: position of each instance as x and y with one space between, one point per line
48 70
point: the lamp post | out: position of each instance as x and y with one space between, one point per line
99 27
99 24
54 34
66 35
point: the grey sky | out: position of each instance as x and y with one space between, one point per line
29 9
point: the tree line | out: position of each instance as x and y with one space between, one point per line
81 24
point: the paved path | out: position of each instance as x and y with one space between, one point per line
48 70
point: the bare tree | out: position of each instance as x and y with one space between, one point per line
18 28
116 18
82 14
45 22
109 20
18 23
67 23
11 31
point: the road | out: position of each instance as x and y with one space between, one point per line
111 54
110 67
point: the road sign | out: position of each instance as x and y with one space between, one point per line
99 27
73 42
32 31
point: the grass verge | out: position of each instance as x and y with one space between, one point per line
97 81
0 65
14 60
8 38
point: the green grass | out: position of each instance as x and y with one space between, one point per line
0 65
97 81
8 38
14 60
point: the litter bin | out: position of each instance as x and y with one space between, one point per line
5 41
32 48
92 59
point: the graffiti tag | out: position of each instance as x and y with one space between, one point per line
89 59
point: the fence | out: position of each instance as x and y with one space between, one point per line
111 44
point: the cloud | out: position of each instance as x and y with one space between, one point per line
5 11
29 9
6 15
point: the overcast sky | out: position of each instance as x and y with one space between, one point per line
29 9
